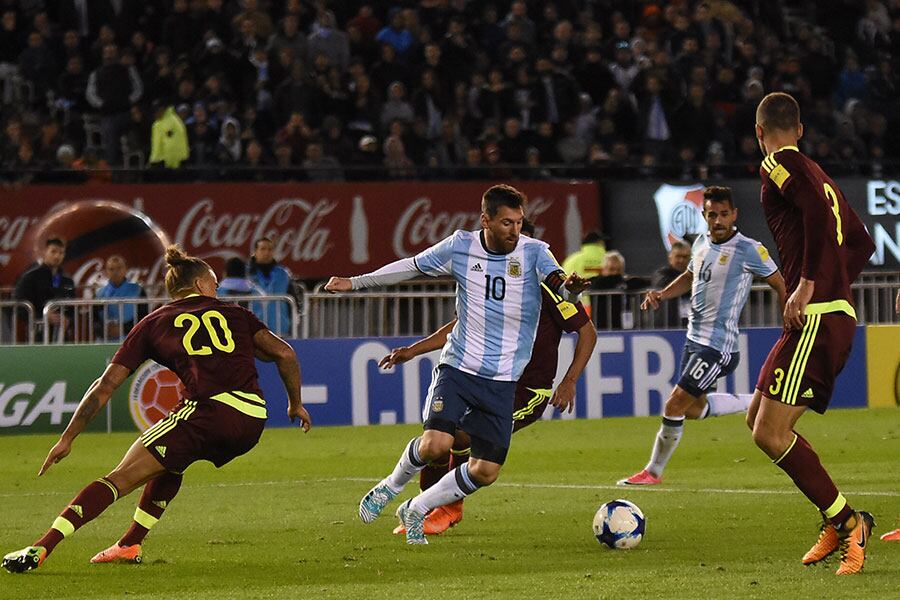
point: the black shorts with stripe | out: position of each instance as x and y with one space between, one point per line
803 364
213 430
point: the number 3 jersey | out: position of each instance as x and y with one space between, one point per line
722 275
498 301
818 235
206 342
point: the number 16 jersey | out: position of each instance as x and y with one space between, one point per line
206 342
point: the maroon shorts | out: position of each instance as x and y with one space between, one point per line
802 366
202 430
529 405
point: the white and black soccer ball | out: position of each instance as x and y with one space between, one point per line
619 524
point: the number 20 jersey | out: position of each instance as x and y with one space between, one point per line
498 301
206 342
722 275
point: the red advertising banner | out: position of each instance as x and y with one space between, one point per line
318 229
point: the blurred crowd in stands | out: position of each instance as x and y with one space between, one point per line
318 90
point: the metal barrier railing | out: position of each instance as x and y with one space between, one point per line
109 320
16 322
418 313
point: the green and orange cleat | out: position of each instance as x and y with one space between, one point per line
119 554
24 560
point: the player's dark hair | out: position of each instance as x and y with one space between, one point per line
778 111
501 195
592 237
235 267
183 271
681 245
718 193
528 227
54 241
260 241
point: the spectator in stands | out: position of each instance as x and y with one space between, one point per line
675 311
116 320
229 150
397 34
236 282
274 280
396 108
319 167
588 260
112 88
327 40
169 141
45 281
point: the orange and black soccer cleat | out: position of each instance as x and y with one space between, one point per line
853 546
25 559
827 543
119 554
892 536
438 520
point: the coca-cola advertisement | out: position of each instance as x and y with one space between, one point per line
318 229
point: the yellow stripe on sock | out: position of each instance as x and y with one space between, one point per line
144 519
785 453
464 452
837 506
111 487
64 526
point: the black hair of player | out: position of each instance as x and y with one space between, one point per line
718 193
501 195
54 241
778 112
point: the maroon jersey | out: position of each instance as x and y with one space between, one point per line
206 342
819 236
557 316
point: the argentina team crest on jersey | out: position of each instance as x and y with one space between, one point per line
723 259
437 405
514 268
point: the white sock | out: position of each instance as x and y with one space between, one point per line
726 404
667 439
407 467
455 485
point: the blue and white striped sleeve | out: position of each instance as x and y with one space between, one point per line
758 261
437 259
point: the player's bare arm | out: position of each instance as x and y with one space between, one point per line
270 345
94 399
564 394
776 282
795 307
678 287
433 342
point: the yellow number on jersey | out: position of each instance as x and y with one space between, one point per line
831 195
193 325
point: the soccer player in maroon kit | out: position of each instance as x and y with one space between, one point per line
211 346
534 390
823 247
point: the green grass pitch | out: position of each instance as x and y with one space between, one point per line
281 522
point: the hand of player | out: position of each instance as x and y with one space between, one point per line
339 284
897 308
300 412
652 298
795 307
564 396
59 451
576 284
396 357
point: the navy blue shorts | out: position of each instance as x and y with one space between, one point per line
481 407
701 367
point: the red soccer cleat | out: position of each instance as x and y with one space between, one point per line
119 554
645 477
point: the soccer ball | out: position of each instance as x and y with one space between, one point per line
619 524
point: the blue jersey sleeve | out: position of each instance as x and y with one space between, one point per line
546 263
757 260
437 259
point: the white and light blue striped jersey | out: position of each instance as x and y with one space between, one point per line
498 301
723 274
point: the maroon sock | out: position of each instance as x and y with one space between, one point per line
155 498
459 456
802 464
86 506
433 472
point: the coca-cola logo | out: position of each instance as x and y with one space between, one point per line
295 224
418 226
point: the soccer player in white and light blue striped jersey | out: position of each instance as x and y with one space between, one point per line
498 304
723 265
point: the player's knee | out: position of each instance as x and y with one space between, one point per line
434 447
677 403
484 473
764 437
